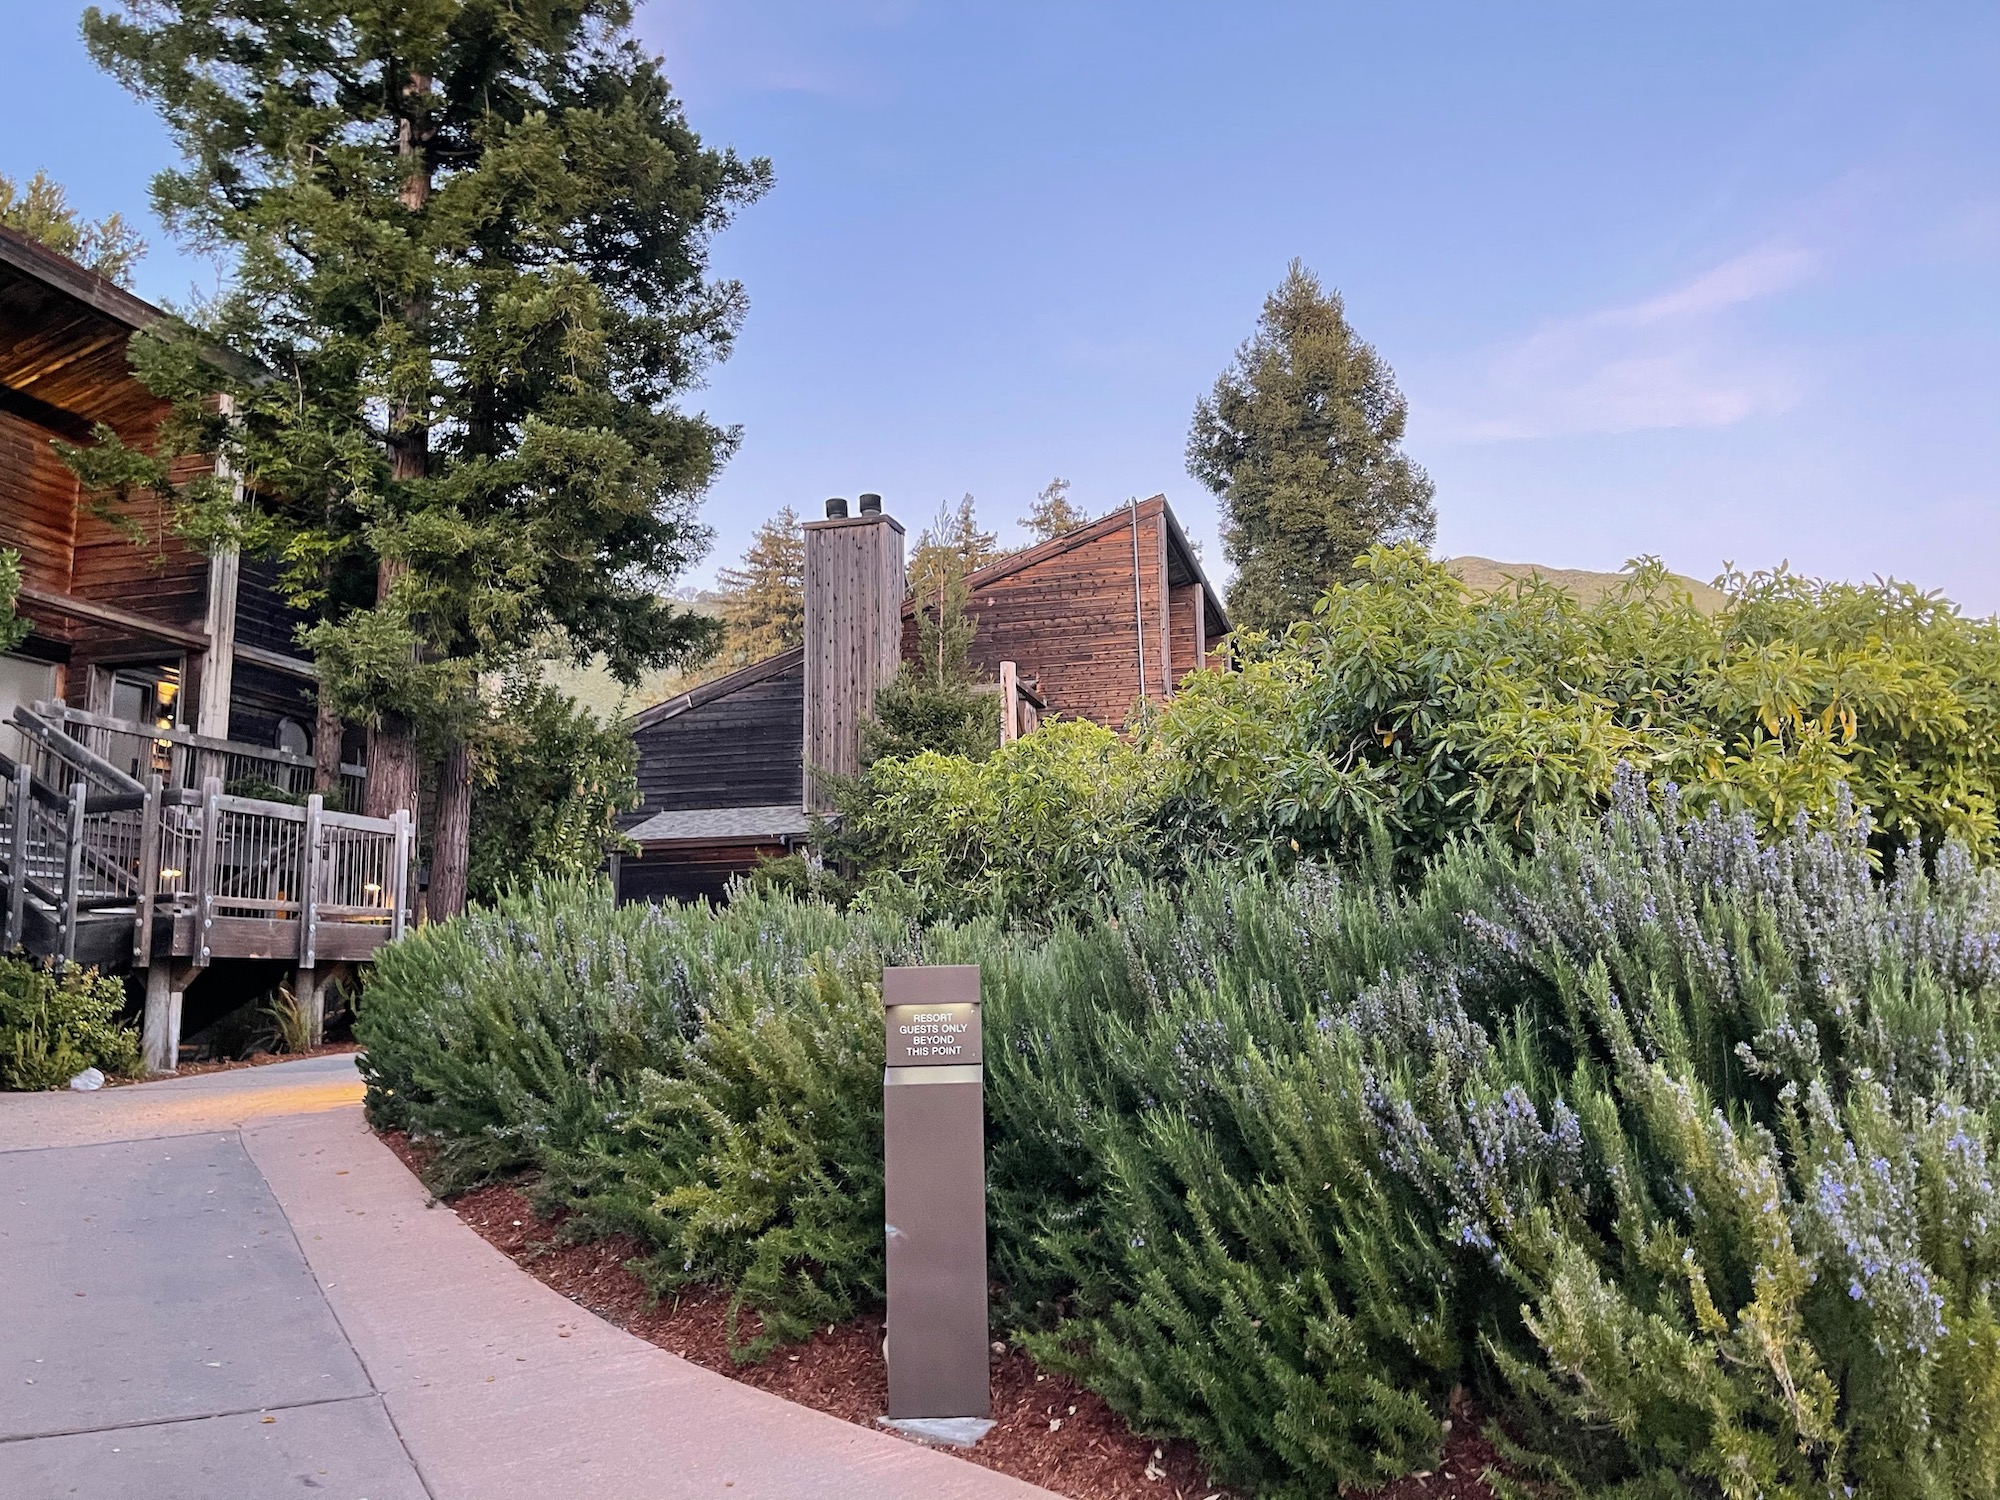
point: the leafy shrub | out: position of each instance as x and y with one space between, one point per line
1409 711
1410 704
1672 1140
57 1021
552 780
1037 826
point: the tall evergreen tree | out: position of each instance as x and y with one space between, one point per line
1301 440
469 242
41 210
1052 515
764 601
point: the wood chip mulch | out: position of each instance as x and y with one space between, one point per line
1047 1430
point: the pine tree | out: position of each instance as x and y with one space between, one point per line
470 250
1301 440
42 212
764 601
1052 515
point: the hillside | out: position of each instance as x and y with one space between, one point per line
1484 575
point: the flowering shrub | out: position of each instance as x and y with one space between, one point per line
1674 1140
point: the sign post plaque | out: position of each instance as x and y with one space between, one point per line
934 1191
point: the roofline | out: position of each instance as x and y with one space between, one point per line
1090 531
99 293
719 687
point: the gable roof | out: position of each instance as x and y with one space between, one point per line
1183 567
720 687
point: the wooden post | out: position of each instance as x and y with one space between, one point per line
151 817
17 865
309 886
1010 703
72 891
309 994
160 1039
400 875
205 868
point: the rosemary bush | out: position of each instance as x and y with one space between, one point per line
1672 1139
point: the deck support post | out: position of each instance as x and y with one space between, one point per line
309 994
160 1039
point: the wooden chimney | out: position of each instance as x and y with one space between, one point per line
854 633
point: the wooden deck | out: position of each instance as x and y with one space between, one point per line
102 867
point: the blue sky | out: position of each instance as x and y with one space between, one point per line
1715 281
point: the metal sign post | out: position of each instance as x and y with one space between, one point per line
934 1170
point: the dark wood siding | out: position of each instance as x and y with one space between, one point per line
690 872
263 618
745 749
259 697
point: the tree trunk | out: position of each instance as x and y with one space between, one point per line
328 732
392 742
392 739
451 848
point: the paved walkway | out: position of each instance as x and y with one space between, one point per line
225 1286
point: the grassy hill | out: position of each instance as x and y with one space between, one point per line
1484 575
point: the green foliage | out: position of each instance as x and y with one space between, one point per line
1032 827
1052 514
57 1021
13 629
1410 705
764 601
1676 1143
1301 441
916 713
933 703
552 780
707 1080
469 296
43 213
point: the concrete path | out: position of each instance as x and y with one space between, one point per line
225 1286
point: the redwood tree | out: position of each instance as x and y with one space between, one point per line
468 242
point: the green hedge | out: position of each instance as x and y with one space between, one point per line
1672 1141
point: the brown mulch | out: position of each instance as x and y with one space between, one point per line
1047 1429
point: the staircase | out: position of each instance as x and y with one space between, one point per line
67 840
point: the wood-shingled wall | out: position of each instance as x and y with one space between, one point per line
1074 623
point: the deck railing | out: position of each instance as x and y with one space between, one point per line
183 759
92 838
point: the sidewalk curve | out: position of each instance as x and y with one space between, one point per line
412 1359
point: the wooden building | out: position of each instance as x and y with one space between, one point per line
1096 619
159 810
1085 625
152 633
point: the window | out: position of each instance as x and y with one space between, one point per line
295 737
